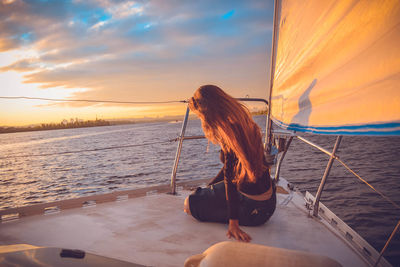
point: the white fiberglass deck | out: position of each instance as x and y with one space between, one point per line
154 230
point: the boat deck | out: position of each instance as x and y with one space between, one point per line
153 230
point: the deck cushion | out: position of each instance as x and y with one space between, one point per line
230 253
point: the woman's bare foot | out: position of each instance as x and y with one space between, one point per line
186 207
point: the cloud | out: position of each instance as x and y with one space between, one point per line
127 49
124 9
21 66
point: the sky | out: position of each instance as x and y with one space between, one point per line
153 50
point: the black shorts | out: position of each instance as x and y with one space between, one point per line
209 205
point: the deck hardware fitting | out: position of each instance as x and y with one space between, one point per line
334 222
309 203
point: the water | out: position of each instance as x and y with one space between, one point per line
375 159
36 179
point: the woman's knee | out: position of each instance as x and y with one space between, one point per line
186 206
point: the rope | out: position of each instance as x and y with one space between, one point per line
88 150
387 243
92 100
373 188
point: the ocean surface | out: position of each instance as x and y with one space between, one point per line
37 167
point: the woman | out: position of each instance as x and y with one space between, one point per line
243 192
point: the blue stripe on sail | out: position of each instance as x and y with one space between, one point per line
391 128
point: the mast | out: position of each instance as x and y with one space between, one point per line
268 132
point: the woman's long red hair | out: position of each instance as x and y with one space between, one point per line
228 123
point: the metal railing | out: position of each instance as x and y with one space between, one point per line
326 174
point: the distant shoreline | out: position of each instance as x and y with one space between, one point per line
55 126
80 124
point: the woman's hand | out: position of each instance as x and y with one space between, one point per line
236 232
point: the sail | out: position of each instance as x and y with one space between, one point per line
337 67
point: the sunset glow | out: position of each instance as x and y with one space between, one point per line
127 51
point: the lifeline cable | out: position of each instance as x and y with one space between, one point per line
89 150
373 188
92 100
